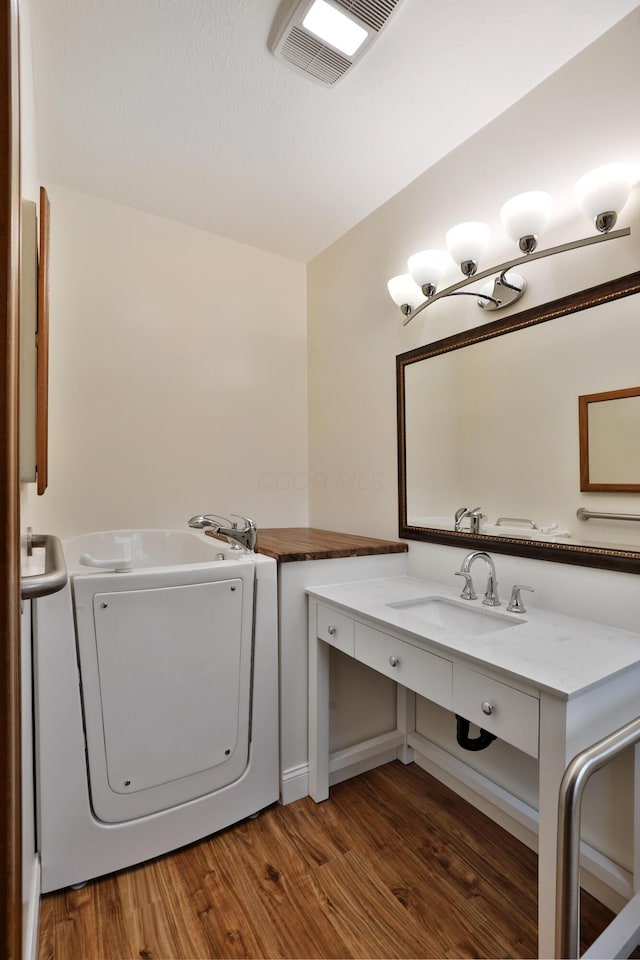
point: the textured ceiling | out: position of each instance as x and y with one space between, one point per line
178 108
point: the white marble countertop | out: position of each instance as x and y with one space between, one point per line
562 655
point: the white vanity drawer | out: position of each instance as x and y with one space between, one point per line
510 714
413 667
335 628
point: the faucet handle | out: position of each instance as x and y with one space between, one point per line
468 593
248 524
218 518
515 604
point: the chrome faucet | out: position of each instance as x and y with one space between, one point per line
475 517
239 537
491 598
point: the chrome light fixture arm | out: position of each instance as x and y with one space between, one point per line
502 269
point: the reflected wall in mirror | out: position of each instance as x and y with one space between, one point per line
610 441
486 418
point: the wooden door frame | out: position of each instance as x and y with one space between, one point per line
10 728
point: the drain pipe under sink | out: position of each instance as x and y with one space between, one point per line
480 742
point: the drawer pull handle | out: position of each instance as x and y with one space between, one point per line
394 661
487 708
331 631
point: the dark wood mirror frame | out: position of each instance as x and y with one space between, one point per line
607 558
586 483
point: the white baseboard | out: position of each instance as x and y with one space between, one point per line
31 913
294 784
600 876
361 766
343 764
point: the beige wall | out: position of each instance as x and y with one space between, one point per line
177 374
581 117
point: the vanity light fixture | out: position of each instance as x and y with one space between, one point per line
600 195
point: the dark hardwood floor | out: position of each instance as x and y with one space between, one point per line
393 865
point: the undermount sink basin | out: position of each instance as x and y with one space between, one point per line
461 616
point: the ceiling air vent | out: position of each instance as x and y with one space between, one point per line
303 45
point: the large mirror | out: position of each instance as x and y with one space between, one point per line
489 432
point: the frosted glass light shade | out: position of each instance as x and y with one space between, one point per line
604 190
468 241
404 291
427 267
526 215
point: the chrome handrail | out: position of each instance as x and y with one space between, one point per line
55 569
583 514
502 520
575 779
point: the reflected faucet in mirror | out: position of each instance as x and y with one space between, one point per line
475 516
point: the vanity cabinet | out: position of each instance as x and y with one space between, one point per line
548 685
498 707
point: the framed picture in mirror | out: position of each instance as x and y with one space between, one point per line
609 429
